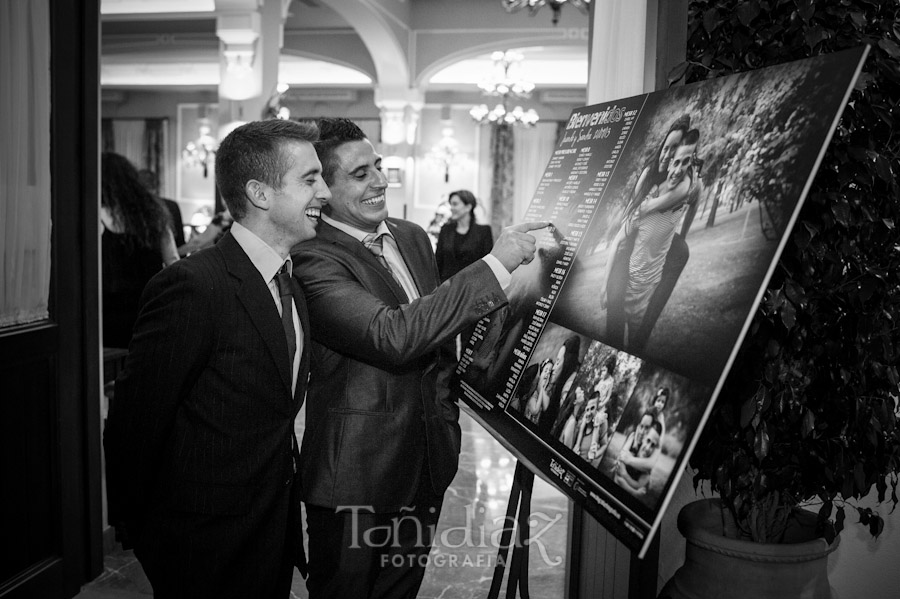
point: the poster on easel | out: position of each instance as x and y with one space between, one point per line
668 213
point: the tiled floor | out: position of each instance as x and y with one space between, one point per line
465 552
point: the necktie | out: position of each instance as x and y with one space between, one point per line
375 244
283 281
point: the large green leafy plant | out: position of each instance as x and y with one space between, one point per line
809 413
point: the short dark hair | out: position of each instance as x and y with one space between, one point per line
255 151
333 133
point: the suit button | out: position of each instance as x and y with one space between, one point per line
287 483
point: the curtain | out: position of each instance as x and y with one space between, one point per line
532 150
143 142
128 140
502 179
24 161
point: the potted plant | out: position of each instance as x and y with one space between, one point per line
809 413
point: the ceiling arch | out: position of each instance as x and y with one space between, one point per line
378 28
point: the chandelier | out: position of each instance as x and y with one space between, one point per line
202 151
506 85
534 6
446 152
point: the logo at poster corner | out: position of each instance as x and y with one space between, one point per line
557 469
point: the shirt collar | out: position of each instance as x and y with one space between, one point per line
357 234
266 260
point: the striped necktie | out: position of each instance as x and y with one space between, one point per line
283 281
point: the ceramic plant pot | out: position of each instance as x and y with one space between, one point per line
716 566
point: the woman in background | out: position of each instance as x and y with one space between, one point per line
461 241
137 242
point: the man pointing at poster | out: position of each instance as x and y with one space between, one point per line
382 438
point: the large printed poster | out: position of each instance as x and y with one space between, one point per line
668 211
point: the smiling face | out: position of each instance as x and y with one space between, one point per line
679 165
649 444
590 409
294 207
643 426
357 188
546 369
670 145
558 363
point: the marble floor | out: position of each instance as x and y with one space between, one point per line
465 550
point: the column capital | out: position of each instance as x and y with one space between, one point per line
400 108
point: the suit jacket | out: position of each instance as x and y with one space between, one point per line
378 403
200 443
454 253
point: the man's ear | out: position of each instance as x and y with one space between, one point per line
257 194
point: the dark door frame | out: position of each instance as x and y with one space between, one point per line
64 401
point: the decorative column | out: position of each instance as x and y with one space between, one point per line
400 112
503 177
251 35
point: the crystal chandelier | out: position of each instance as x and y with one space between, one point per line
506 85
446 152
534 6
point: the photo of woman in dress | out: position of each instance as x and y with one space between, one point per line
640 247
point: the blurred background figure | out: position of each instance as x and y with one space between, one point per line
150 180
441 216
213 232
137 242
461 241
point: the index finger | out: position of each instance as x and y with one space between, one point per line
523 227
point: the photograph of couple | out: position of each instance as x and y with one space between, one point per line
694 212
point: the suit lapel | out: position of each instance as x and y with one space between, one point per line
254 294
334 235
416 261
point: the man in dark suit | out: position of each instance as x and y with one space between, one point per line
200 446
382 439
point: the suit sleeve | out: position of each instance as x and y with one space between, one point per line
168 349
348 318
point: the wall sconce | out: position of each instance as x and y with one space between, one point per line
393 170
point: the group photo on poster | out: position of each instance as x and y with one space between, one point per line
621 420
668 212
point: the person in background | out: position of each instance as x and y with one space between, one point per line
382 436
461 241
151 181
135 245
441 216
200 448
218 226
